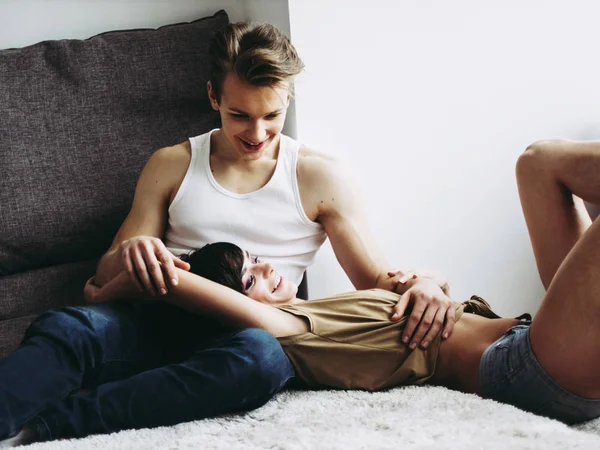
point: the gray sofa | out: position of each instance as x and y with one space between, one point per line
78 121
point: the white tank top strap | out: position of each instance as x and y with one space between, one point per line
201 147
199 153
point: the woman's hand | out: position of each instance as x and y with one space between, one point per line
432 309
91 291
148 263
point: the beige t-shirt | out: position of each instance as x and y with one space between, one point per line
353 344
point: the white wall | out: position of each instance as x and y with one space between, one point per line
25 22
431 103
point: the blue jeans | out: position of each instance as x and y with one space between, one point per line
139 365
509 372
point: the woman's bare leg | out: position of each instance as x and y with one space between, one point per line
565 335
547 175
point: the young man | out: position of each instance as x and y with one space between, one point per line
151 364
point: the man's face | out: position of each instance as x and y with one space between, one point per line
252 117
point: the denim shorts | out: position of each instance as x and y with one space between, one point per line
510 373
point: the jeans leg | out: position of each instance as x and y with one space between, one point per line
61 350
239 371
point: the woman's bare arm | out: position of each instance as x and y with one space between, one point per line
118 288
201 296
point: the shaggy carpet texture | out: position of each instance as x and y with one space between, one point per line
402 418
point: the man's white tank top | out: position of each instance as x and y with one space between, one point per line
269 222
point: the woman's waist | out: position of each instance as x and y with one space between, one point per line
457 365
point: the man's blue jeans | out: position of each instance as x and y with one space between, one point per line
140 365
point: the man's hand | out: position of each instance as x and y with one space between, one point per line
432 310
147 262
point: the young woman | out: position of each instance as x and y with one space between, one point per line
548 366
347 341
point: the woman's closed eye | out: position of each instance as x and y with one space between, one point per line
249 283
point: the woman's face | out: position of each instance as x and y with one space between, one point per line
252 117
262 283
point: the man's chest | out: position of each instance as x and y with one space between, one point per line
244 180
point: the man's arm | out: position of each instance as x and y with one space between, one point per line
332 199
137 248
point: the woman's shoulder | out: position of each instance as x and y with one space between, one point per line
364 294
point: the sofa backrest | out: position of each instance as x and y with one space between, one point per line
78 121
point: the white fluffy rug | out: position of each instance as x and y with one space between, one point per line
401 418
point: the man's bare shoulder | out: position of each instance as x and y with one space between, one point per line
315 165
322 180
166 169
315 154
179 154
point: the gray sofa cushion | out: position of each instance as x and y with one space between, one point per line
78 121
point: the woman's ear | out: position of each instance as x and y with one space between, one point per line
212 97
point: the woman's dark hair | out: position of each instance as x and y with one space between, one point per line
220 262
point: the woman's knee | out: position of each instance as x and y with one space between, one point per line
55 321
72 325
544 146
536 156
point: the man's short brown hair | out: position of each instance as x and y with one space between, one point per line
258 54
